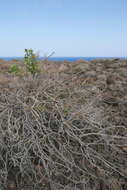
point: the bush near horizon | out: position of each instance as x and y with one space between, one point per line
30 60
14 69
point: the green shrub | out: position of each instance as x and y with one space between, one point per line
30 60
14 69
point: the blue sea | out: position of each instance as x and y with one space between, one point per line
64 58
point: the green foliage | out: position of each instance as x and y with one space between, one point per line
30 60
14 69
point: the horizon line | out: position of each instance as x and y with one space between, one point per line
66 56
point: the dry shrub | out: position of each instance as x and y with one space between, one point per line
56 135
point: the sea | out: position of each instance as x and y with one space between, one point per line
64 58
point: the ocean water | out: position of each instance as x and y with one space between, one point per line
64 58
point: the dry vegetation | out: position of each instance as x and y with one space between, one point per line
66 129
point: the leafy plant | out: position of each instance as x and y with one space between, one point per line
30 60
14 69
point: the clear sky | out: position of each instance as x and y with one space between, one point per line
68 27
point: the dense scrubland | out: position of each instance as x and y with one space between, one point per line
66 127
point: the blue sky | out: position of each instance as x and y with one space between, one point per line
68 27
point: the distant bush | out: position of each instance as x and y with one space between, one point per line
30 60
15 69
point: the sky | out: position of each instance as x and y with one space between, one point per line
67 27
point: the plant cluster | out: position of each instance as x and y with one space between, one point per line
30 62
